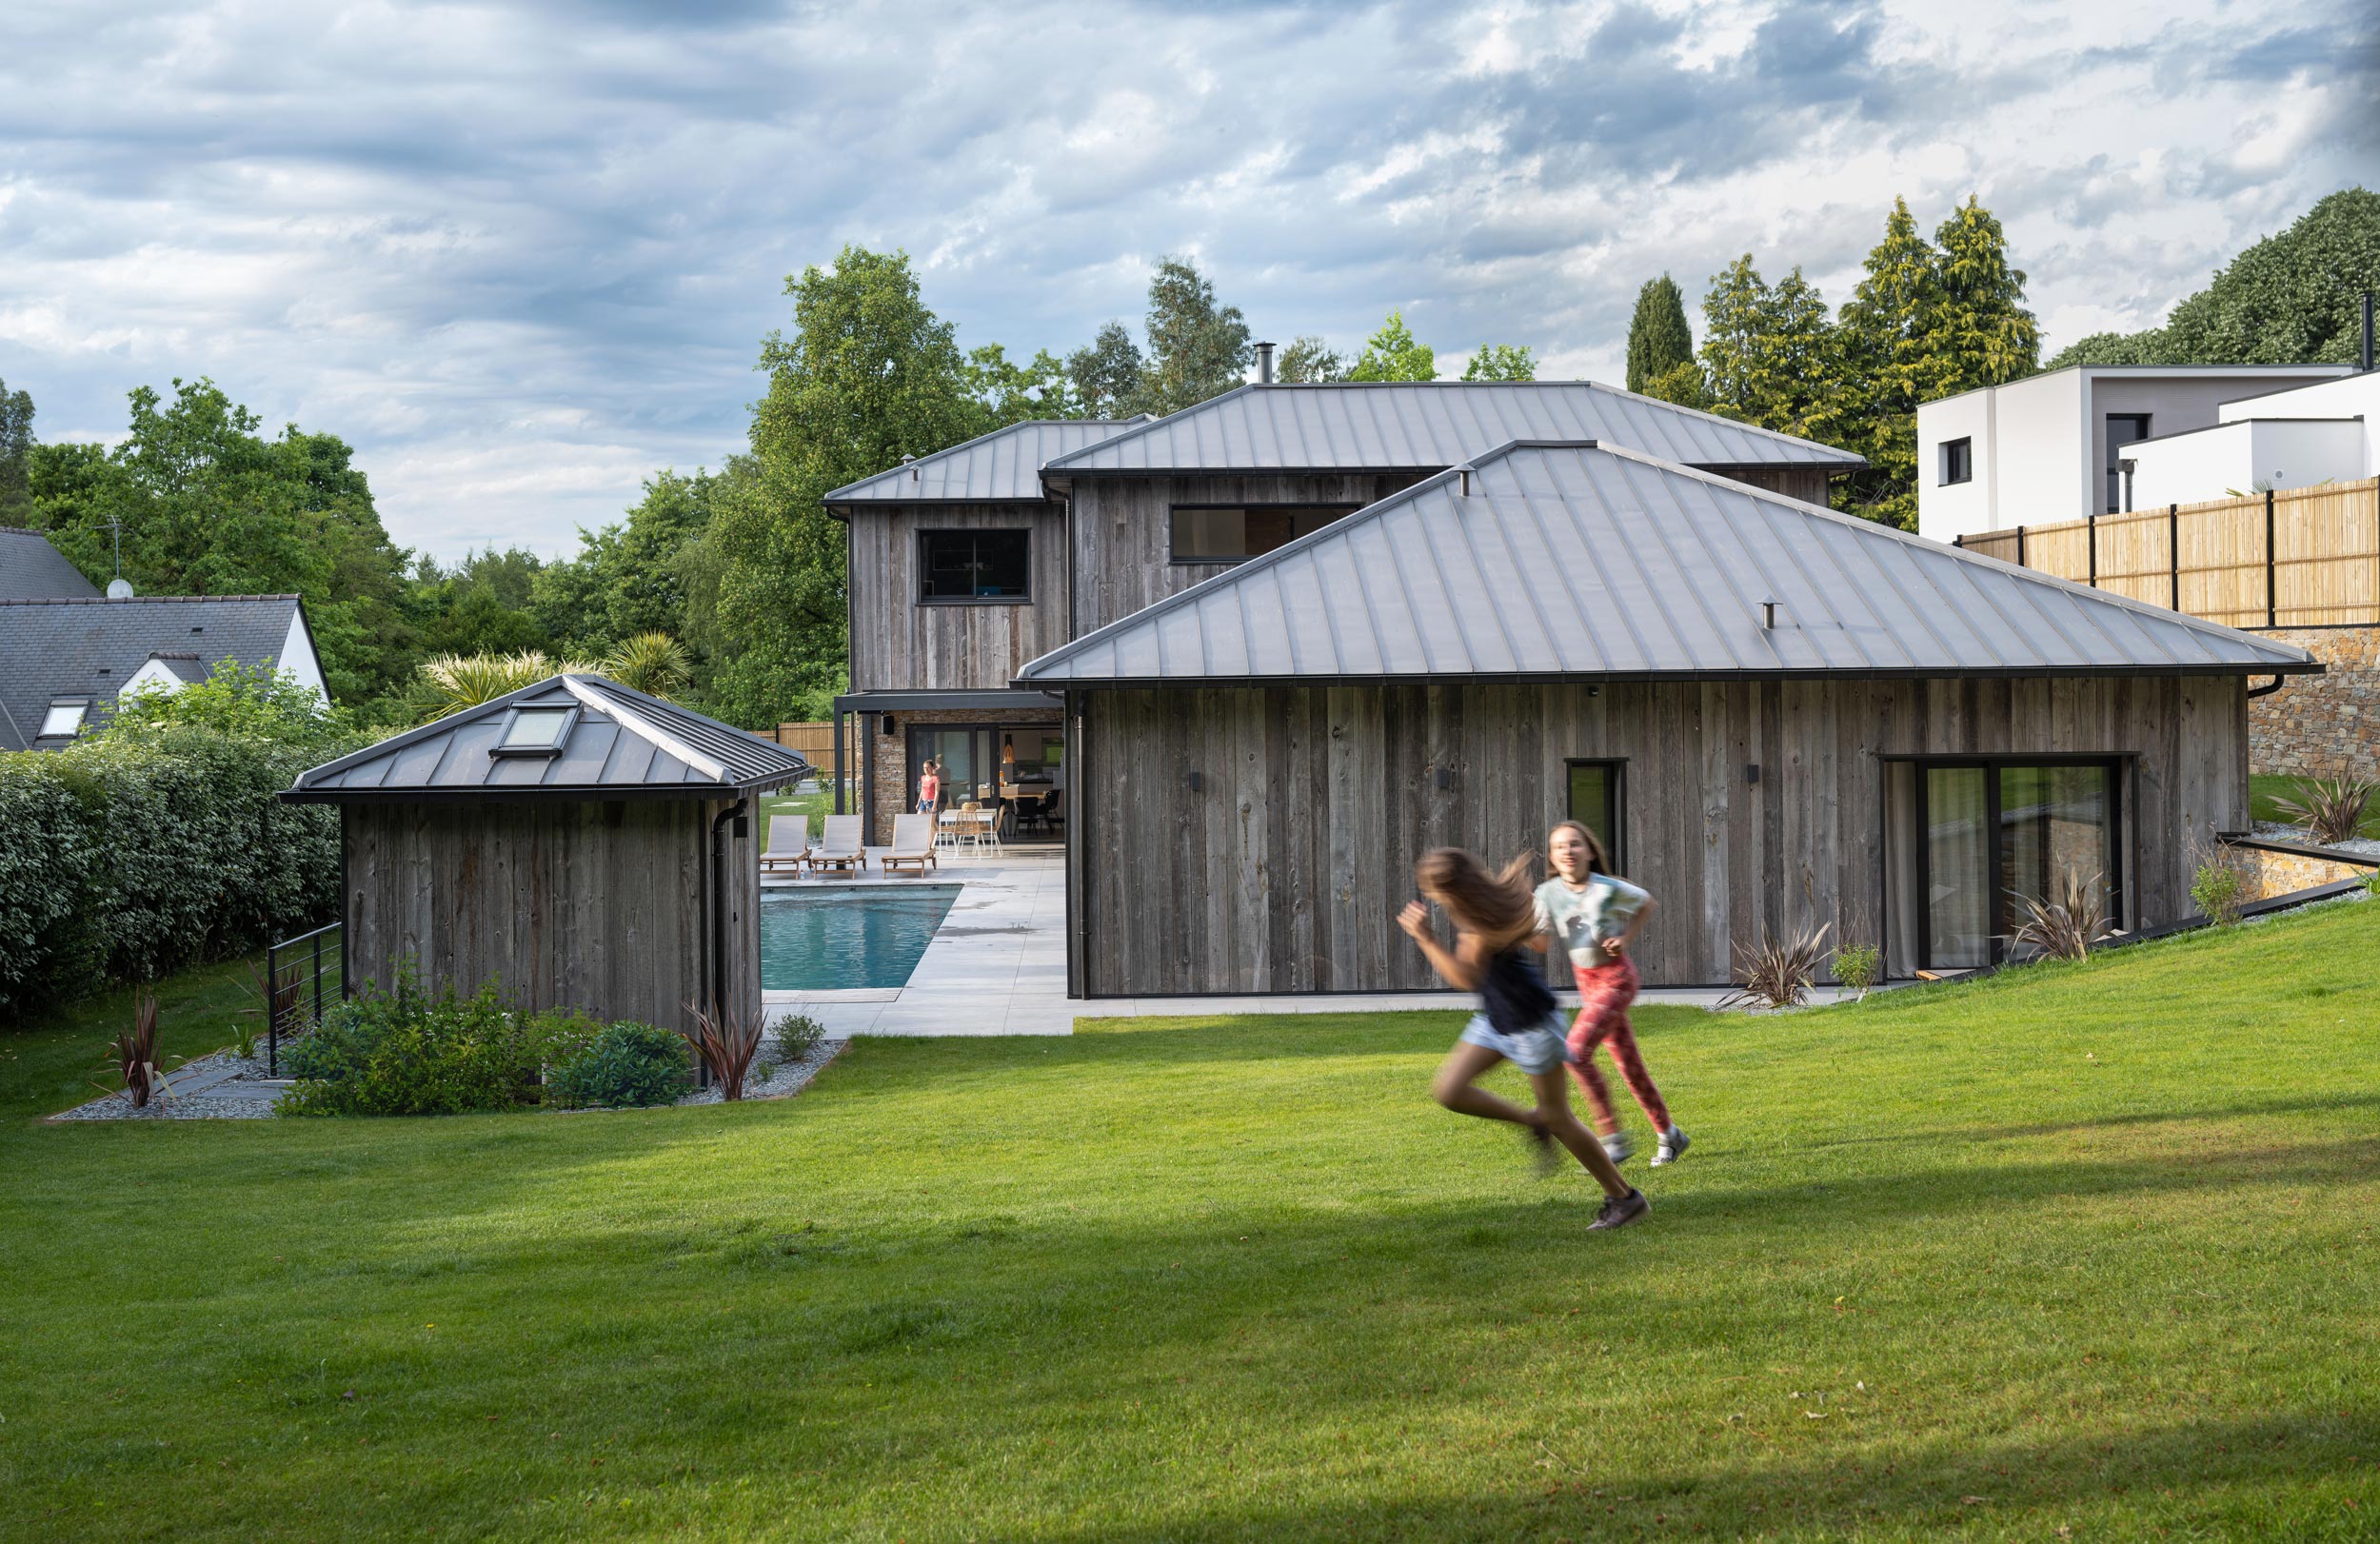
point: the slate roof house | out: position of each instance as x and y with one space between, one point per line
1275 645
66 651
580 844
969 563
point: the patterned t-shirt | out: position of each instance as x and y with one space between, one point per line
1583 919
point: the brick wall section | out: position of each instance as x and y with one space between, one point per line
2321 726
2271 874
896 785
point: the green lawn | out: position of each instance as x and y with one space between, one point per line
2085 1248
2265 790
815 807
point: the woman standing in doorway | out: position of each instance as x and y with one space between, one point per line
1494 924
1593 915
930 786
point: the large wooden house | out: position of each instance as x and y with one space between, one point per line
1310 632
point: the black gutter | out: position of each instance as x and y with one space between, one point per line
2266 691
716 988
525 794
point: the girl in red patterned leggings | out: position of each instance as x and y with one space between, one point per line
1593 915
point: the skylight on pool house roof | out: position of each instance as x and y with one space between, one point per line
535 731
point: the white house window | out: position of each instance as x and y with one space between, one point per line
63 720
1958 461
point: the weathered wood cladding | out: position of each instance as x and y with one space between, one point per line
1807 484
596 907
1123 529
1284 869
901 644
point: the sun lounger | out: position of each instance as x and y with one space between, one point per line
839 844
788 841
912 843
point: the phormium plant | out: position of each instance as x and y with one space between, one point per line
134 1053
2066 925
725 1044
1777 974
2329 810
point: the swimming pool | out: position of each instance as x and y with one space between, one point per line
855 935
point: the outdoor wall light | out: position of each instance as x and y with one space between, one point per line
1752 771
892 725
1445 777
1196 781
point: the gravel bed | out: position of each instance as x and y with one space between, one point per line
791 1078
215 1104
2276 831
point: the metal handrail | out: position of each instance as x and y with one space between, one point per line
273 1014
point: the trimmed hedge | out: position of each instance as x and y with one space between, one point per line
124 859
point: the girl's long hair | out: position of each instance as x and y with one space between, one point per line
1499 907
1598 862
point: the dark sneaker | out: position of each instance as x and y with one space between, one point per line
1620 1212
1544 1152
1673 1147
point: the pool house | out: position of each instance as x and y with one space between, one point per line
576 842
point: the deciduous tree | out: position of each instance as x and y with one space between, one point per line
1105 374
1198 348
1501 362
1310 359
1394 353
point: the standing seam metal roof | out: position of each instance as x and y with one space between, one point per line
623 743
1577 561
1426 425
1002 466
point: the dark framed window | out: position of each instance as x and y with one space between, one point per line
1958 461
1234 533
992 567
2123 429
1992 832
1596 799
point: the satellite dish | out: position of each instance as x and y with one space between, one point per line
119 589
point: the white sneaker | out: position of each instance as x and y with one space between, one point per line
1617 1147
1673 1147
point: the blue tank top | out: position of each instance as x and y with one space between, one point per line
1511 994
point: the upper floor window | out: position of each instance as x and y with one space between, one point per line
975 566
1233 533
1958 461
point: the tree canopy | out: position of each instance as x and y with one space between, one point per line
1394 353
1198 348
2291 298
1501 362
1309 358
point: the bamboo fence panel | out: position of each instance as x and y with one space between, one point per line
2295 558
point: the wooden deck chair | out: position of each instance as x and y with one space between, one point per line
912 844
839 844
789 839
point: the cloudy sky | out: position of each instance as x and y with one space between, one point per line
522 255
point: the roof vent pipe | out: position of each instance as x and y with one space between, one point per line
1464 472
911 461
2366 357
1264 352
1768 615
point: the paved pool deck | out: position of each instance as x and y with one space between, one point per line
997 964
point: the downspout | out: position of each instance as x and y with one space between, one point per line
2266 691
715 987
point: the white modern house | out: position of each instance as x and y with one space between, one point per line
2296 437
2044 448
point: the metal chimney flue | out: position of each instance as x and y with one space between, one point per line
2366 354
1264 350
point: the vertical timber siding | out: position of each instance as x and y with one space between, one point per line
596 907
1283 870
898 645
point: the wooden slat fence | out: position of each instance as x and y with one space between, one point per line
814 743
2297 557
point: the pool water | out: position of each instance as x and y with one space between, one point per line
824 941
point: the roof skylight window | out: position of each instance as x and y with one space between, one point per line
63 720
535 731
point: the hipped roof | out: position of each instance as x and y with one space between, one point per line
1574 561
1004 467
623 745
1407 425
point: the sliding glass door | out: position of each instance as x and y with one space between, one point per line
1992 835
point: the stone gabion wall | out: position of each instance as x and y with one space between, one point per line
2325 725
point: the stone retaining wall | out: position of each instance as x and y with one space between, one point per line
2271 873
2321 726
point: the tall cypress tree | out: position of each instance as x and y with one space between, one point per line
1658 339
1768 353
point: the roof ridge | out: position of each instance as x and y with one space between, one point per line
972 441
139 600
